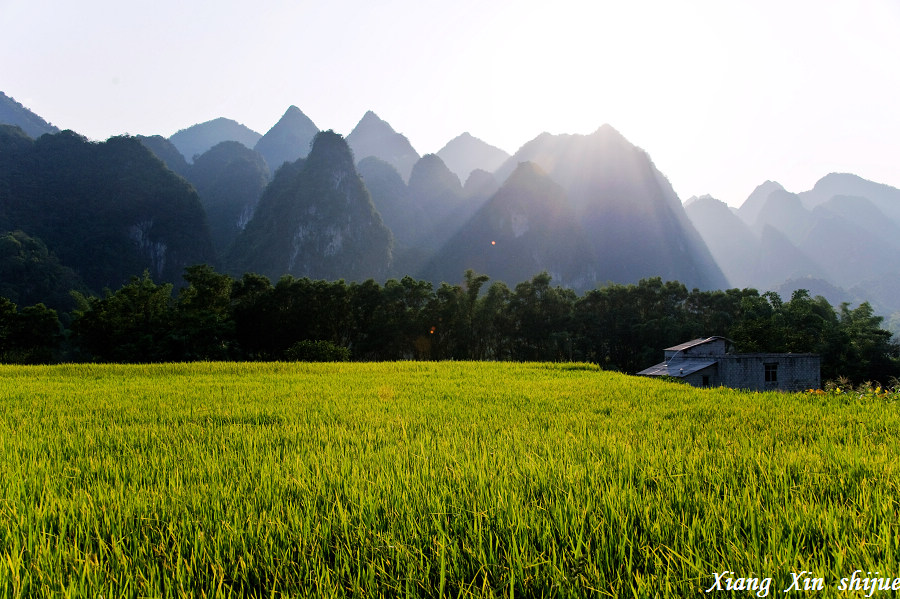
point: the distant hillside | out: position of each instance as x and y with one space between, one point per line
634 221
465 153
107 211
780 260
230 179
13 113
842 236
316 219
850 249
166 151
480 185
884 197
752 206
14 143
848 228
784 211
289 139
390 195
527 227
375 137
30 273
732 243
197 139
434 189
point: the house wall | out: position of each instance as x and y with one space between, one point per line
696 378
794 372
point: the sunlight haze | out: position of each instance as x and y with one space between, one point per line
723 96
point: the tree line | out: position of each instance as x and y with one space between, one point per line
623 327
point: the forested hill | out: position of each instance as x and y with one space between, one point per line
316 219
13 113
106 211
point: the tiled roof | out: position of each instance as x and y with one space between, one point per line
679 368
694 342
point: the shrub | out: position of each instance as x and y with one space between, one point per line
317 351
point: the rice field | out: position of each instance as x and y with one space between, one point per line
427 479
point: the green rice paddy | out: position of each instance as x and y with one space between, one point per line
431 479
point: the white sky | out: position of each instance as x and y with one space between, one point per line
723 94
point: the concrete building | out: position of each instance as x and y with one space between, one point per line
707 363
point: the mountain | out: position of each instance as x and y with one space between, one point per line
434 189
288 140
753 205
884 197
734 245
763 257
13 113
633 218
375 137
166 151
30 273
14 143
405 218
527 227
197 139
465 153
863 213
230 179
842 239
780 260
784 211
107 211
833 240
391 198
883 293
852 240
480 185
316 219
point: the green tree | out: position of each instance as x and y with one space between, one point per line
625 327
404 321
869 353
756 329
364 306
30 273
542 320
29 336
205 327
134 324
254 315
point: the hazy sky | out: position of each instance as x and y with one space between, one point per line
722 94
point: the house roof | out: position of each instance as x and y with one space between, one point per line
678 368
694 343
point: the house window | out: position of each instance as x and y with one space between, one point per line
771 372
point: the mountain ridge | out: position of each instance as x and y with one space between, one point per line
288 139
197 139
373 136
842 231
14 113
466 153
